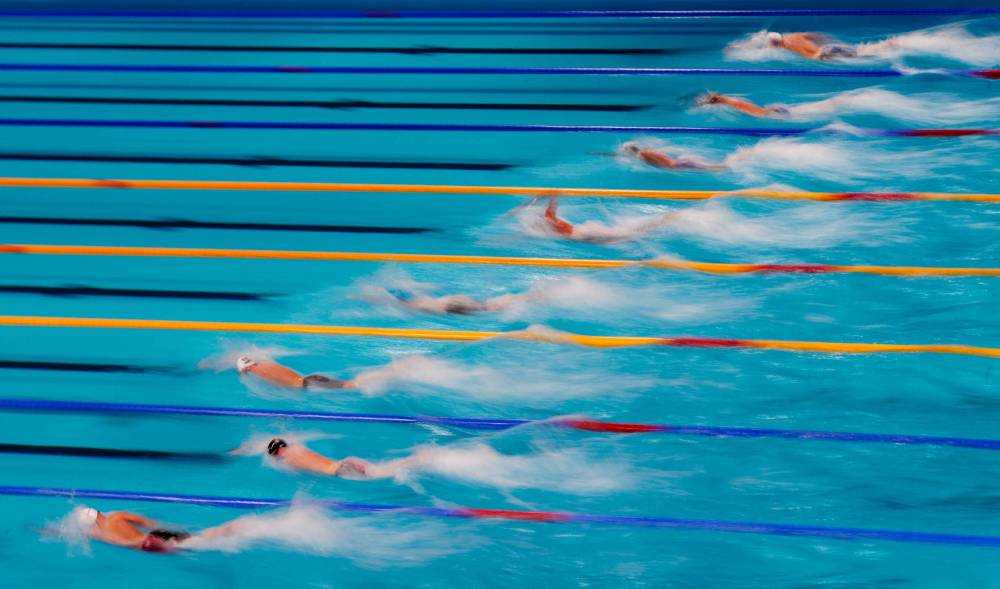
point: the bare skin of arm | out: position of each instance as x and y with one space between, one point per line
301 458
661 160
283 376
739 104
560 226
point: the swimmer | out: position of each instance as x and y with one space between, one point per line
452 304
279 375
658 159
596 232
814 46
298 457
138 532
742 105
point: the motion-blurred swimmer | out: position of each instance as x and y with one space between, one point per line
597 232
815 46
454 304
131 530
742 105
283 376
298 457
658 159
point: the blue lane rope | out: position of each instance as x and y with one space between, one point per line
443 14
309 126
14 404
559 71
746 527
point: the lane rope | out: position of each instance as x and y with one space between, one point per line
493 14
594 341
839 533
493 424
411 50
577 263
464 128
118 453
239 185
481 71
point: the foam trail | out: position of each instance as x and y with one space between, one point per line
567 471
503 380
805 226
927 108
834 160
310 528
948 42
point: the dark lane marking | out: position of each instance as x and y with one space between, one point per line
189 224
250 162
79 367
93 291
325 104
414 50
89 452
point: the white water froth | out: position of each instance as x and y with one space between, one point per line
949 42
565 470
931 108
544 382
311 528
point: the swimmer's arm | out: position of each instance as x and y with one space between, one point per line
745 106
136 519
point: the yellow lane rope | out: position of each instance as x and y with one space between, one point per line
661 263
488 190
597 341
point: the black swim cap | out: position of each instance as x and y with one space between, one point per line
275 445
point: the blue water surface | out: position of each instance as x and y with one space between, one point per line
866 485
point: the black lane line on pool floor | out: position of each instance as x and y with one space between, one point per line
166 224
333 104
90 452
93 367
250 162
94 291
412 50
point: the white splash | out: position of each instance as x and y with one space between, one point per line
310 528
801 226
757 47
566 470
834 159
931 108
546 382
952 42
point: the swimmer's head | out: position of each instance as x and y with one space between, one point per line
244 363
774 39
630 147
85 517
708 98
275 446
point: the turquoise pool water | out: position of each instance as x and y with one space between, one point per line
884 486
